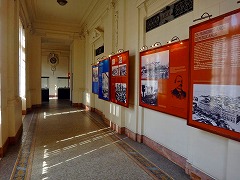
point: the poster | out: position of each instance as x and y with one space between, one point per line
214 99
164 78
103 79
95 79
119 69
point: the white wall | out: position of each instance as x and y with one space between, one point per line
214 155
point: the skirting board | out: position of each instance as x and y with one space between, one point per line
10 141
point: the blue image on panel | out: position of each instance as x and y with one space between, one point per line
103 79
95 79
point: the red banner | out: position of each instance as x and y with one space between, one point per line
215 75
119 69
164 78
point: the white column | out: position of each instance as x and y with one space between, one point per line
35 66
3 73
14 104
78 70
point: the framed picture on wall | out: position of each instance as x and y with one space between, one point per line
104 79
164 78
95 79
119 68
214 101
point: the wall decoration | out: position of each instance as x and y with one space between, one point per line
169 13
164 78
214 101
104 79
99 50
53 60
95 79
119 69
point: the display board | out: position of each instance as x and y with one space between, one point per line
95 79
215 75
164 78
119 69
104 79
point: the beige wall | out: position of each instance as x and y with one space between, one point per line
122 24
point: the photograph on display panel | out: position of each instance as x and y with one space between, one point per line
164 78
121 92
95 79
104 79
149 90
155 66
215 75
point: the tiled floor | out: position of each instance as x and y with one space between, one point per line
69 143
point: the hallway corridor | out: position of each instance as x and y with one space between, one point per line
62 142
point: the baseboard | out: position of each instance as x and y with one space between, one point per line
131 134
36 106
29 110
24 112
195 173
79 105
14 140
11 141
3 149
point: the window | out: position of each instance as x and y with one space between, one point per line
22 63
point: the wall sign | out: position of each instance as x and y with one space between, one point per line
169 13
119 69
95 79
164 78
215 75
99 50
104 79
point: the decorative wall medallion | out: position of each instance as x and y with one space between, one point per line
53 60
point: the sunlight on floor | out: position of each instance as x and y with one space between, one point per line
45 115
96 137
82 135
45 167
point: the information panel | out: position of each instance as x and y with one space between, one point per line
215 75
95 79
119 78
103 79
164 78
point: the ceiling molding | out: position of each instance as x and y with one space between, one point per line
93 18
62 27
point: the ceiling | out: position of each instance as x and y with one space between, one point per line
73 13
49 15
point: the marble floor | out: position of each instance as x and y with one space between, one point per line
63 142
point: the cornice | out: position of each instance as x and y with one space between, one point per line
61 27
139 3
100 9
24 15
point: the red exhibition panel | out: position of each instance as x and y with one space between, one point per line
214 103
164 78
119 69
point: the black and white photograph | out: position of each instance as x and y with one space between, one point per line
217 105
115 71
155 66
95 74
105 85
123 70
149 90
121 92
